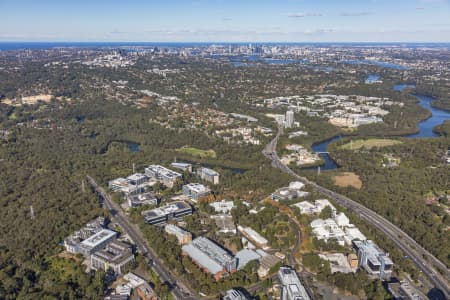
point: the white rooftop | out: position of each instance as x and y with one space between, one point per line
98 238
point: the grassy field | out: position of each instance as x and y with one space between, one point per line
368 144
197 152
348 179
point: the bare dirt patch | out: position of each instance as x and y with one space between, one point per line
348 179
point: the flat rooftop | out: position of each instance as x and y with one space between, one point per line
99 238
208 254
373 252
163 171
167 209
209 172
197 187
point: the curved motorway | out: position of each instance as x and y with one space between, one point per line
424 260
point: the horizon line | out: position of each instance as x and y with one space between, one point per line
234 42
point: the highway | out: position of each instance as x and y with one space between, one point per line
424 260
178 290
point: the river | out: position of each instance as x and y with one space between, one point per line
438 116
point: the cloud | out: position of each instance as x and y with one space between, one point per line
356 13
420 8
302 15
227 19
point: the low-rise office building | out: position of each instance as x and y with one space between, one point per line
133 280
372 259
145 292
185 167
254 236
210 257
327 230
309 208
208 175
116 256
293 191
142 199
223 206
291 287
225 223
234 294
72 242
125 187
160 215
137 179
166 176
97 241
195 191
182 235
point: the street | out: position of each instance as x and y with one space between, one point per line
134 233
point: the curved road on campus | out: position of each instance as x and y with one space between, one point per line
178 291
425 261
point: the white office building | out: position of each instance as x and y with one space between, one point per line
223 206
195 191
372 259
291 287
208 175
289 123
160 173
97 241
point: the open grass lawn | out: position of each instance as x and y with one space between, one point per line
197 152
370 143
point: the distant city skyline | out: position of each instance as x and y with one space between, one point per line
226 21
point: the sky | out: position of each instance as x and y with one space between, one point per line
225 20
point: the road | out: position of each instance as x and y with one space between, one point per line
178 290
424 260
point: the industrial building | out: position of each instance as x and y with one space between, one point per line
373 259
160 173
182 235
96 241
208 175
254 236
142 199
175 210
291 287
195 191
294 190
234 294
116 256
210 257
185 167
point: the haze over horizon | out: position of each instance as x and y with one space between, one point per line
226 21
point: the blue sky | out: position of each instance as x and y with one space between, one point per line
226 20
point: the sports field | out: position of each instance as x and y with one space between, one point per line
368 144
